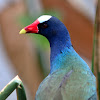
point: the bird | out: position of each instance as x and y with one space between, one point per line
70 77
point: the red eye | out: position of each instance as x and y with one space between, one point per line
44 25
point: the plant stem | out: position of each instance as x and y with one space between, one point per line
96 49
11 86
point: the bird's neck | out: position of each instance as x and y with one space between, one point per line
59 44
63 59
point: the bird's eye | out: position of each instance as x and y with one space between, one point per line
44 25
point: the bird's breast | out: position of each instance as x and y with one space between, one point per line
66 83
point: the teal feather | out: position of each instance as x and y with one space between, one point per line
71 79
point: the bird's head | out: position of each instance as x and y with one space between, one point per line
54 30
45 25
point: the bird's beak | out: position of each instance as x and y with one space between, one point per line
32 28
23 31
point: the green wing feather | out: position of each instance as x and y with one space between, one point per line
68 84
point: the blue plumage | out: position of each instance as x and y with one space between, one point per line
57 35
70 77
65 60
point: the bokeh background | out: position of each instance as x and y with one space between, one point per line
28 55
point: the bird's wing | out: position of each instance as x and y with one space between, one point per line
52 84
93 97
67 85
65 78
81 88
58 95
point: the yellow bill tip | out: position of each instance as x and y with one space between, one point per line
23 31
